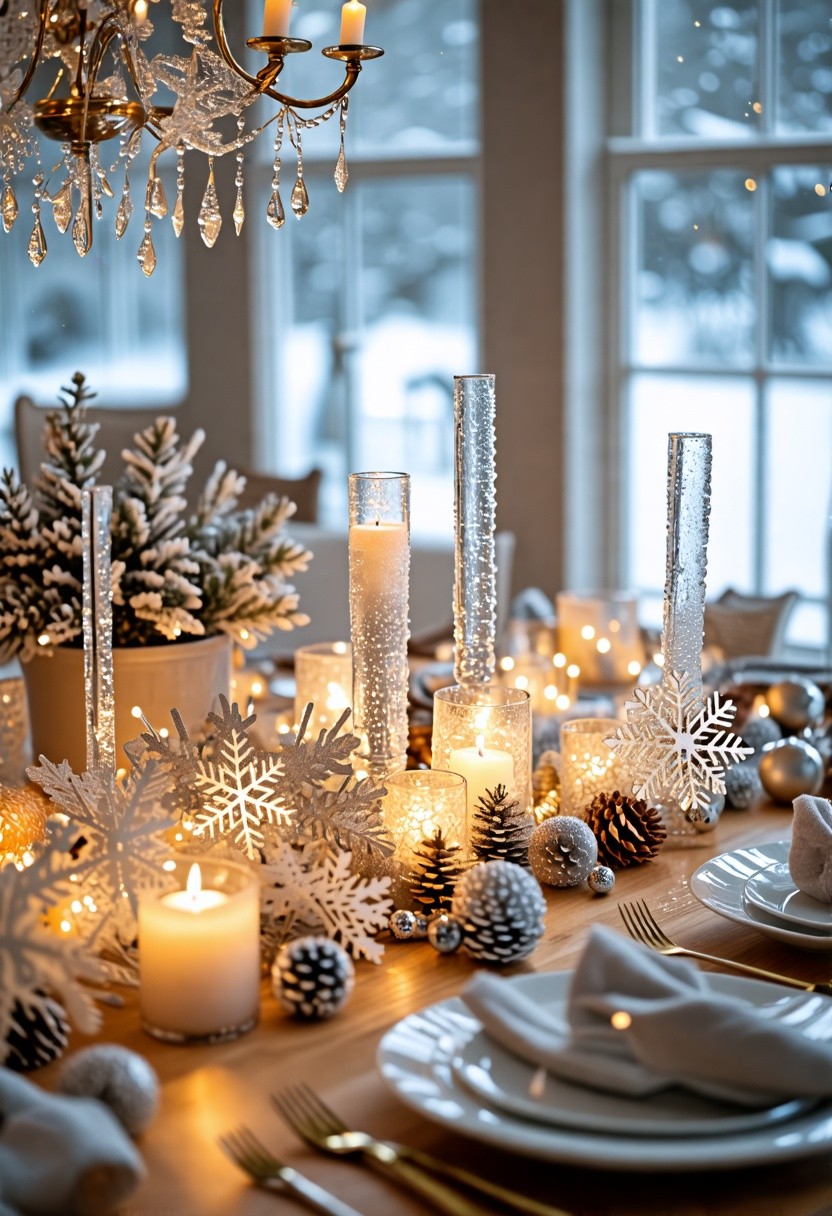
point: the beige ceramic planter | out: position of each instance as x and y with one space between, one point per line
187 676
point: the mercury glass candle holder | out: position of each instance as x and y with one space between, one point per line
379 545
418 803
323 676
199 958
599 631
588 766
475 571
484 733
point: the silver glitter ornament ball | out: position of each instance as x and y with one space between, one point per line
705 818
402 925
119 1078
796 703
757 732
562 851
445 933
501 908
601 880
313 978
789 768
743 787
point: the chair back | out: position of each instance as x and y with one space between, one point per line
743 625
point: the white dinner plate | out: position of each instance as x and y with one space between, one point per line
774 891
416 1059
719 884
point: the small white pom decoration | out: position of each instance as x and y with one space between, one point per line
121 1079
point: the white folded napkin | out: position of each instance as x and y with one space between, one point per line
810 854
61 1156
637 1022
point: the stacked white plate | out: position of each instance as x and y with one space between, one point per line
754 887
440 1062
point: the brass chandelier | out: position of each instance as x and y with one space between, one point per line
102 89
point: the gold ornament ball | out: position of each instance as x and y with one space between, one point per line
789 768
796 703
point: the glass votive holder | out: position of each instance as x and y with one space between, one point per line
199 952
588 766
323 675
14 723
418 803
484 733
599 631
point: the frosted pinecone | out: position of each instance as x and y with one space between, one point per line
501 908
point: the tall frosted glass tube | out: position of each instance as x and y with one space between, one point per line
688 509
379 600
96 509
475 507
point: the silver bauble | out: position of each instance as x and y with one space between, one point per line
420 929
445 933
118 1077
743 786
601 880
789 768
796 703
758 731
562 851
402 925
705 818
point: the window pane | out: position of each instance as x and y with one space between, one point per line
805 65
799 258
706 68
799 480
724 409
694 296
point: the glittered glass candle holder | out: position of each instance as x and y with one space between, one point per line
475 571
599 631
588 766
323 676
199 952
421 802
379 544
484 733
13 729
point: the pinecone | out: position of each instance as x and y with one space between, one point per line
313 978
37 1036
628 832
501 830
545 789
501 909
435 874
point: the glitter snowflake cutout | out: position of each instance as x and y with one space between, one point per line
677 746
302 890
38 963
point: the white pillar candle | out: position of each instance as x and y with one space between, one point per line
484 768
199 953
277 15
353 15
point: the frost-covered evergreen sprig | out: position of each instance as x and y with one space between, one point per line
174 575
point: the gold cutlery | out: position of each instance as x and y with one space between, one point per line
246 1151
643 926
301 1108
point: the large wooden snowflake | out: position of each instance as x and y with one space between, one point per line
676 745
37 962
121 825
325 897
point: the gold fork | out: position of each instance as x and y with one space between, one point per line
643 926
314 1122
245 1150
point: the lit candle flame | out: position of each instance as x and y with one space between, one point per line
194 884
480 744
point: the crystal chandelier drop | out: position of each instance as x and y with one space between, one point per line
101 87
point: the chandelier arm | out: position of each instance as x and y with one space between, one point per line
43 11
352 74
225 50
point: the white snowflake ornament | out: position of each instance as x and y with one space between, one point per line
676 745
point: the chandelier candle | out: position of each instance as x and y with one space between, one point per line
277 15
475 572
484 733
199 953
353 16
379 544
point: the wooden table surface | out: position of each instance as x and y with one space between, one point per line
207 1090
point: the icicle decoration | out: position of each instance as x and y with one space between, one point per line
210 219
147 252
342 173
10 209
239 213
178 216
129 151
96 509
300 195
36 248
379 547
275 214
475 572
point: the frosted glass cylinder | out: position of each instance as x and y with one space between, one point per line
688 509
599 631
323 675
379 545
199 967
475 505
420 801
588 766
484 733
